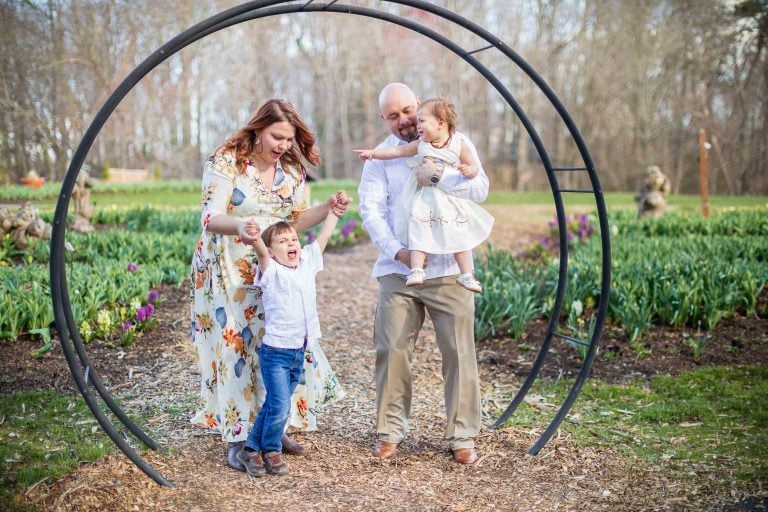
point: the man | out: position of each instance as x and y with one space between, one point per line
401 310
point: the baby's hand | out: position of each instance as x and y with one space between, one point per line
364 154
469 171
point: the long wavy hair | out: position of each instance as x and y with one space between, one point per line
243 143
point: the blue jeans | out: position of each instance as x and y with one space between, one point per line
281 370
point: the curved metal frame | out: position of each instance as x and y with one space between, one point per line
67 326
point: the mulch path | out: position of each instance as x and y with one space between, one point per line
159 372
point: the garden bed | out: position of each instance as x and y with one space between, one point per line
157 379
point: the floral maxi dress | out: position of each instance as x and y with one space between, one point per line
227 312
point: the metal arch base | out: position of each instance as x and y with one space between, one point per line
65 322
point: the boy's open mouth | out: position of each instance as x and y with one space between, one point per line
292 254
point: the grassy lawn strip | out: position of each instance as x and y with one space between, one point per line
44 434
320 191
185 195
714 419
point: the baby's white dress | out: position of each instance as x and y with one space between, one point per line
433 221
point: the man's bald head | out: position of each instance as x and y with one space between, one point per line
398 105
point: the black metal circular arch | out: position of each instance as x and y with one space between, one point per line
71 342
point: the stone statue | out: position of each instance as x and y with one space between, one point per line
22 226
652 198
6 221
81 194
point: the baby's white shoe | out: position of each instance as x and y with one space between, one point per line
469 282
416 277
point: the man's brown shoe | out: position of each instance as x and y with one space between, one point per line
291 447
384 449
465 455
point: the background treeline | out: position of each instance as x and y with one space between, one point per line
640 79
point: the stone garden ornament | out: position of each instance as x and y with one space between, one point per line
23 226
81 193
652 198
583 170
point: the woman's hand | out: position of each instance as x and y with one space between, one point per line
248 230
339 203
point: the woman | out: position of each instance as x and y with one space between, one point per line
256 175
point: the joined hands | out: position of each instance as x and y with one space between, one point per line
249 231
339 203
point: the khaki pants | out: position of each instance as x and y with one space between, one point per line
399 317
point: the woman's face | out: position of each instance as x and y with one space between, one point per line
275 140
429 127
285 248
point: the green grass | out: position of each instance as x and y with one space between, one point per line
714 419
623 200
185 197
183 200
44 434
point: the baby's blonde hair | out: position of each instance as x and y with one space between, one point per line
443 110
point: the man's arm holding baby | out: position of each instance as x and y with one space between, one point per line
456 181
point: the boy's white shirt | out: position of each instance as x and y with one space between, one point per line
380 187
290 300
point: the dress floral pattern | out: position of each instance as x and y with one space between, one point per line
227 313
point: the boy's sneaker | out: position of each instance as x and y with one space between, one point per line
416 277
469 282
251 461
274 463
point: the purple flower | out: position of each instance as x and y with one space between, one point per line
150 309
310 236
126 326
141 315
153 295
348 228
132 267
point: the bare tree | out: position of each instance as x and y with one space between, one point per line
639 79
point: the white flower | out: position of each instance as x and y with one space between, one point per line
577 307
104 319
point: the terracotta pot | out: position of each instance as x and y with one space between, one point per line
32 182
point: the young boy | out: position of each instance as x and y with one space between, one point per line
286 276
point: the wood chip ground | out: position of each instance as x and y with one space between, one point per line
340 474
